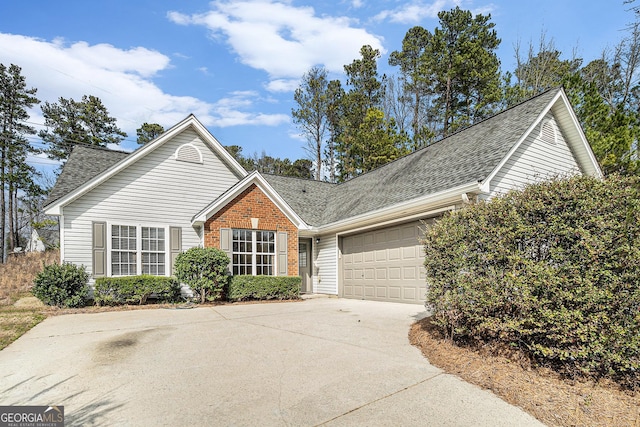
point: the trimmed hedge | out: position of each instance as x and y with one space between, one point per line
135 289
242 288
553 270
62 285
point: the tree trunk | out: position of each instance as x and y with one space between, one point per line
3 211
12 243
16 224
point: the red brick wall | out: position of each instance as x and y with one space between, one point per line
253 203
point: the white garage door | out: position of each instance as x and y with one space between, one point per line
384 265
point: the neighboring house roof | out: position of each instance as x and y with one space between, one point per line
469 156
68 192
85 163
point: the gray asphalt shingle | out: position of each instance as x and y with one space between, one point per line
84 164
464 157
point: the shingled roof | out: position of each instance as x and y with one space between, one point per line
84 163
467 156
464 157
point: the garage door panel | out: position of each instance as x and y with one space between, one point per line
410 273
409 293
388 262
369 274
409 253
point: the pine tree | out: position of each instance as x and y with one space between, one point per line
15 174
72 122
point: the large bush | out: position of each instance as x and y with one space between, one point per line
243 288
553 270
135 289
62 285
204 270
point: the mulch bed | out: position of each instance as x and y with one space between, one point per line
541 392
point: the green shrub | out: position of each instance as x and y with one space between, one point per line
62 285
243 288
135 289
204 270
553 270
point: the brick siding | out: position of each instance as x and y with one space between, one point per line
253 203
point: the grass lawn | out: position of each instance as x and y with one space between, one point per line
15 321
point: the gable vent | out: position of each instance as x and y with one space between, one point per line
188 153
548 132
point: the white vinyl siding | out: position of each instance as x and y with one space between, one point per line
535 160
156 189
325 280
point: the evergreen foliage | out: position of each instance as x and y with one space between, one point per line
16 176
242 288
148 132
553 270
135 289
61 285
204 270
72 122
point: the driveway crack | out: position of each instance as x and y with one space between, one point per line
381 398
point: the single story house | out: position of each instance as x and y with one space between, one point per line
132 213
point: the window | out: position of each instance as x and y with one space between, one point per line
253 252
153 251
138 250
123 246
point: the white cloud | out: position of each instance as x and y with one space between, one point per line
413 12
229 111
283 40
122 79
283 85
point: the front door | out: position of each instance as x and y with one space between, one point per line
304 264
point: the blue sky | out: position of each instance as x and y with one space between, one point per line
235 64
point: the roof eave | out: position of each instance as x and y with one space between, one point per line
55 208
400 211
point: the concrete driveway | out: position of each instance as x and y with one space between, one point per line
323 361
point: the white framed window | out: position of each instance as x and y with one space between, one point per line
137 249
153 251
253 252
124 250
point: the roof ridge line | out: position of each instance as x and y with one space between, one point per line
444 138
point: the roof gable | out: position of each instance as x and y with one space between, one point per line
561 108
254 178
111 164
466 159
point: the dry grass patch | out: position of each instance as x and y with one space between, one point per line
14 322
16 276
542 393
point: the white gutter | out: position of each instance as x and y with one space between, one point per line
403 210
